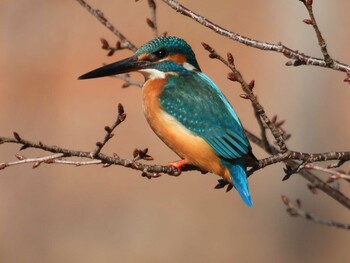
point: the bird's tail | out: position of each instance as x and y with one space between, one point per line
240 181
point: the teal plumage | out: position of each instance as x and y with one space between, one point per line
201 107
199 121
198 104
173 46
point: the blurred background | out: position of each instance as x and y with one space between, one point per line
59 213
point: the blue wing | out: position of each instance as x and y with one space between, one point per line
198 104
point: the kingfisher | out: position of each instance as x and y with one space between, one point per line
187 111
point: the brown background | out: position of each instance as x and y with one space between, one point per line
89 214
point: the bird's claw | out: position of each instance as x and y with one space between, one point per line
178 165
222 183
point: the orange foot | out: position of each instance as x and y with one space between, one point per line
178 165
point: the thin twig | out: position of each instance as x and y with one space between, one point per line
295 211
100 16
153 21
267 145
321 41
77 163
334 174
109 131
37 161
128 81
112 49
105 159
297 57
306 174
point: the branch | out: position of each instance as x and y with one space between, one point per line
335 175
36 161
128 81
152 23
295 211
109 131
322 43
65 153
149 171
305 173
104 21
297 57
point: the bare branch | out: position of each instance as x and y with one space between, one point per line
112 49
296 57
322 43
115 160
306 174
100 16
109 131
152 23
294 209
128 81
335 175
36 161
154 171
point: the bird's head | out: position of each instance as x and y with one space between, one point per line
153 59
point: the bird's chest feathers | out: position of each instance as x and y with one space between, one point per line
166 126
180 139
154 113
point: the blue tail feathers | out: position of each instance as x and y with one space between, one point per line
240 181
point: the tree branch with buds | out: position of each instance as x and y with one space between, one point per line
295 161
295 210
297 58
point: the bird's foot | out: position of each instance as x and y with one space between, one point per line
178 165
222 183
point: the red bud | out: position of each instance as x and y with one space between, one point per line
251 84
150 23
135 153
104 42
230 58
19 157
36 164
285 200
16 135
231 76
308 22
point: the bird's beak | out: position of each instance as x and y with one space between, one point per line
123 66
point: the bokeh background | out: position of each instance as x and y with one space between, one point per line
89 214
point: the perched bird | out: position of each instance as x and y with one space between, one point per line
187 110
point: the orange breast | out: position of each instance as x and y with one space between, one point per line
181 140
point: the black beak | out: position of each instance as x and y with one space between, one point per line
123 66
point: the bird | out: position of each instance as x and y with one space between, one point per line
187 111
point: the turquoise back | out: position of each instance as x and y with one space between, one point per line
198 104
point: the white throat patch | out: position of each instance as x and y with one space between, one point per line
155 73
189 67
152 73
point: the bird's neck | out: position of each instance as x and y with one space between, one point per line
152 74
168 67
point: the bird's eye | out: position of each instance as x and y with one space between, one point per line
160 53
